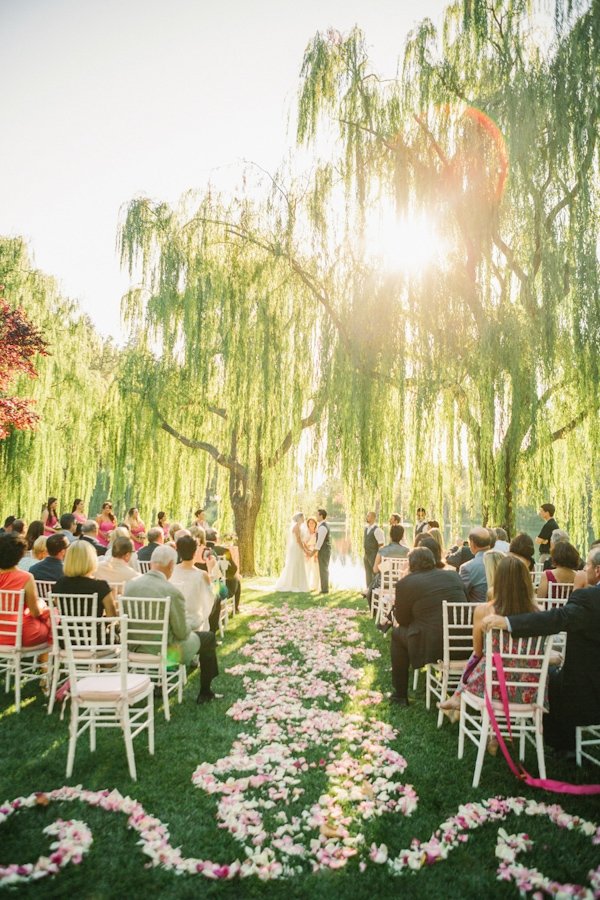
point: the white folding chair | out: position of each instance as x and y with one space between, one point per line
104 699
521 658
558 594
149 628
587 736
458 646
15 659
392 569
78 605
537 572
144 566
44 589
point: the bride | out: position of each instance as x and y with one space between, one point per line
293 578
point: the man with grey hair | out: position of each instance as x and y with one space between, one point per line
574 689
116 568
89 534
502 543
472 572
183 643
156 538
559 534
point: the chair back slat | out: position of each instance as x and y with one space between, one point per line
144 565
458 629
559 590
148 622
90 644
82 605
12 606
392 569
44 588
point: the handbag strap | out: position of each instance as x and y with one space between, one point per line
548 784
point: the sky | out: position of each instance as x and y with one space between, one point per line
103 100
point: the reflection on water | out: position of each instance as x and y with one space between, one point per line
346 573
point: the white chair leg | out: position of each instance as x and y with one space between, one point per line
165 696
128 743
151 723
53 683
578 735
443 695
92 730
485 727
17 684
522 743
539 746
180 683
461 731
73 726
416 681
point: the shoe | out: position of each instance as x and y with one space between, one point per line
384 628
323 592
492 746
208 697
398 701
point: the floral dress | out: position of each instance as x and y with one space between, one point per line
474 678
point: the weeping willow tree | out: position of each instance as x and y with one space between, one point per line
494 144
72 438
226 356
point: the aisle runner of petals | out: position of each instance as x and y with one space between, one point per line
298 678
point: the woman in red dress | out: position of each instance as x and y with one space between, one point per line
36 618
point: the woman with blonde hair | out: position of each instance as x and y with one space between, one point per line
38 552
491 561
80 564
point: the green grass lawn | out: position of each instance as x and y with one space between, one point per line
34 746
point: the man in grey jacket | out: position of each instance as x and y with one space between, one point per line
472 572
183 643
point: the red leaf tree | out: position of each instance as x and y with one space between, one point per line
20 342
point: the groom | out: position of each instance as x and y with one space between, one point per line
323 549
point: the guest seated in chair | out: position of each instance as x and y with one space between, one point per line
36 619
51 567
393 549
81 564
419 637
574 689
564 560
184 644
156 538
116 567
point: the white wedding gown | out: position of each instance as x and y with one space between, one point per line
293 578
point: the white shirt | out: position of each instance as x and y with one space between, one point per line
115 570
502 546
199 599
321 535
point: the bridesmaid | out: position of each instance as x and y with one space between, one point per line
50 516
136 527
164 524
78 511
107 522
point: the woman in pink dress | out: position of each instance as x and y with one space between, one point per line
164 524
136 528
50 516
107 522
78 511
36 618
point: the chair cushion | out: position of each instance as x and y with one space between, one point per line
7 650
151 658
108 687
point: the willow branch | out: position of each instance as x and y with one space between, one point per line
311 419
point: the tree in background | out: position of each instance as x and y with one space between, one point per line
495 145
21 342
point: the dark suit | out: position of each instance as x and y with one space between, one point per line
145 553
100 550
47 569
419 637
574 690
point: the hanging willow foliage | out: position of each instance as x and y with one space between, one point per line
224 362
495 345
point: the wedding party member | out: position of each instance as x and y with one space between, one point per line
209 531
323 549
565 560
38 552
546 513
574 689
81 564
472 572
512 594
201 608
156 538
163 523
309 537
107 522
184 644
293 578
136 527
36 618
50 516
421 521
373 539
89 534
419 636
79 512
116 568
51 568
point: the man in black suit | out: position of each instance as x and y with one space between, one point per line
574 689
419 637
89 534
156 538
323 549
51 568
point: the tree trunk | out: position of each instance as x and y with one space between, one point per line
245 494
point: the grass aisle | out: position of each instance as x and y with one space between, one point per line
309 777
